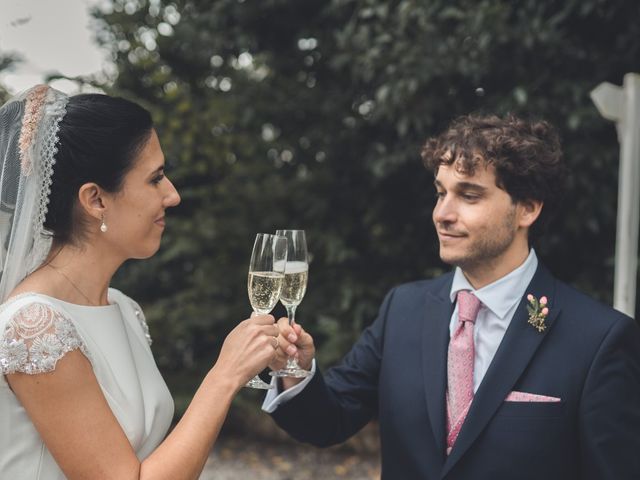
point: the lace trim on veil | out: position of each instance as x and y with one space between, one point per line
49 147
30 125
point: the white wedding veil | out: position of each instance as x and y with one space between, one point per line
29 124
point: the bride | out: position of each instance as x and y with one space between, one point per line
82 189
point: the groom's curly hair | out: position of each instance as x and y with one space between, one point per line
526 155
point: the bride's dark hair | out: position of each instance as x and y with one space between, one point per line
99 139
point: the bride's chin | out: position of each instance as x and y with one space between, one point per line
147 253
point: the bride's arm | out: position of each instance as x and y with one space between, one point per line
69 410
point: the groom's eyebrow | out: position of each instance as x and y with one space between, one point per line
469 186
463 186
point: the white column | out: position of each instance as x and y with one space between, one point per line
622 105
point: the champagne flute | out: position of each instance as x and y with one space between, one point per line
293 289
266 274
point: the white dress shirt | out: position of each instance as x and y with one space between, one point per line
499 299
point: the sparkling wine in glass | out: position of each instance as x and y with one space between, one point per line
296 273
266 275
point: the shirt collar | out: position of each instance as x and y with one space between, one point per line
501 295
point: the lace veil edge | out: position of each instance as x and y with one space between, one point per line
29 126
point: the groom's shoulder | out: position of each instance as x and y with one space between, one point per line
586 310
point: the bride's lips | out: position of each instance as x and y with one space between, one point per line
160 221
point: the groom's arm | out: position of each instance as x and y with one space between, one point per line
331 408
609 412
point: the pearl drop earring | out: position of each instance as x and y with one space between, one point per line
103 226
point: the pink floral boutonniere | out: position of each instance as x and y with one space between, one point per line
538 312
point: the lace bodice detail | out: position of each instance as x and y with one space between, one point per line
35 338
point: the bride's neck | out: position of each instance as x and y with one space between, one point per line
85 269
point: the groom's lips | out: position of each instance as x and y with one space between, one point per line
450 236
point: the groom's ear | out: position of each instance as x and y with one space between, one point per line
528 212
91 200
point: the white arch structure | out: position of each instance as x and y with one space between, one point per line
622 105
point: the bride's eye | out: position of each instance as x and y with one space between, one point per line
157 179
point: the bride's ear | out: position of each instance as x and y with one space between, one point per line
91 199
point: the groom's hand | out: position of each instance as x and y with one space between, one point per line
294 341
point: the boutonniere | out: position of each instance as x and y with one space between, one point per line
538 312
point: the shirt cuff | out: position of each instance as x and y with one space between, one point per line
274 398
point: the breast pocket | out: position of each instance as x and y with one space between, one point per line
532 418
522 431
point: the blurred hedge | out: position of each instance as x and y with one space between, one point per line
310 114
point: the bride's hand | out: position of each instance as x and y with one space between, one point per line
248 349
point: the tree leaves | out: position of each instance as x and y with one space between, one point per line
282 113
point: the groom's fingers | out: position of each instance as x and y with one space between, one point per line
295 334
304 339
286 347
297 329
286 331
287 337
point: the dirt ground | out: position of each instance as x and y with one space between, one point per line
240 459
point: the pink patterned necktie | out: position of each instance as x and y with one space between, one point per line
460 366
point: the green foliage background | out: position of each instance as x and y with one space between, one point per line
311 114
7 62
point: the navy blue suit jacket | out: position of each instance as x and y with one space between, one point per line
589 357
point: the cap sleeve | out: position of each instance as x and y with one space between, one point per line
35 337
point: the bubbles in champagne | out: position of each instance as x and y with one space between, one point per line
295 283
264 290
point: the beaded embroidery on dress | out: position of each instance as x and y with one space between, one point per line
35 338
143 321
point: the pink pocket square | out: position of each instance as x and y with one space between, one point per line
529 397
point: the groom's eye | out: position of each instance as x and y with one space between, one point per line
470 197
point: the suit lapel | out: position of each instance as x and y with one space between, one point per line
435 341
516 350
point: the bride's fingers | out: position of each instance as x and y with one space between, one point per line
262 319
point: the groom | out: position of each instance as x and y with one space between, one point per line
496 370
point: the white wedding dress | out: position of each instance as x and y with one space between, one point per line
36 331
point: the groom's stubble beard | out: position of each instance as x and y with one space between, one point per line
486 245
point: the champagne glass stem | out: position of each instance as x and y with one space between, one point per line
292 363
291 313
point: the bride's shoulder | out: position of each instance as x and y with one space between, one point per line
35 287
20 300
